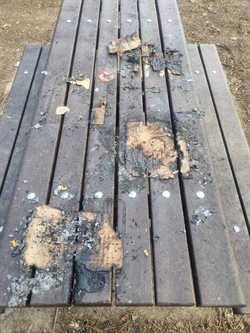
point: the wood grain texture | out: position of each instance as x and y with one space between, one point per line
216 276
41 146
234 139
173 276
100 158
73 137
12 117
134 282
228 192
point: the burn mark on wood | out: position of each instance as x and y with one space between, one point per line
184 157
46 238
99 113
150 148
102 247
124 44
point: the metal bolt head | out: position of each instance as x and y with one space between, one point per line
166 194
236 228
98 195
200 195
132 194
31 196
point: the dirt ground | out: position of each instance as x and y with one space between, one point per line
225 23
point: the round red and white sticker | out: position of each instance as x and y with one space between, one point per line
106 76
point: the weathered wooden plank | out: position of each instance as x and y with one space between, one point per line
216 277
100 164
16 158
134 282
229 196
14 110
233 135
173 286
38 159
71 154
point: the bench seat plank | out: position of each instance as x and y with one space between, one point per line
11 119
21 133
100 164
38 160
171 258
228 193
71 153
237 148
134 282
214 271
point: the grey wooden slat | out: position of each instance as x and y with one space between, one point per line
173 276
12 116
234 138
38 159
216 276
134 282
100 163
71 153
229 196
16 158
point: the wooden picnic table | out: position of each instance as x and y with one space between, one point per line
123 175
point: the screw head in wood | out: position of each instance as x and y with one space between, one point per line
132 194
166 194
200 195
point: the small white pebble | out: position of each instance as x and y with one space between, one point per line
25 181
109 21
56 191
37 126
26 72
132 194
129 20
89 21
44 73
149 20
98 195
166 194
214 72
68 21
1 228
31 196
64 195
169 20
96 89
236 228
200 195
197 72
